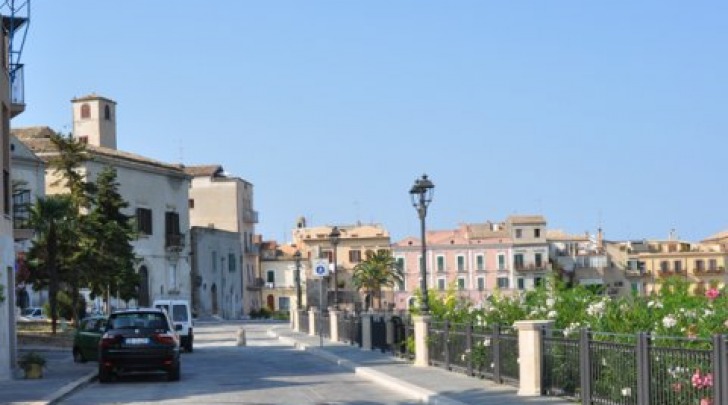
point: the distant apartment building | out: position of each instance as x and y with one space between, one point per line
278 268
476 259
162 216
220 201
356 243
217 284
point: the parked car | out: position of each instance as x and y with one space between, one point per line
86 339
181 314
32 314
139 340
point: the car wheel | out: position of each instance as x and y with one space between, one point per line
174 373
188 345
104 375
78 356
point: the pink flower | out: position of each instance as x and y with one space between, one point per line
708 380
702 381
712 293
706 401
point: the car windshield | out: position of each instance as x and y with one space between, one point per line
179 313
138 320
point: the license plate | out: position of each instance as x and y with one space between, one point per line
136 341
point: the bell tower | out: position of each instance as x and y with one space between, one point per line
94 121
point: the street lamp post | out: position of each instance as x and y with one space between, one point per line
297 258
421 194
334 237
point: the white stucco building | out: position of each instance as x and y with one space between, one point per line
157 194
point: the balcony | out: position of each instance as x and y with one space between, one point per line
665 273
174 241
532 267
256 285
17 89
250 216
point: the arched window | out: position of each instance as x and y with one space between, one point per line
107 113
85 111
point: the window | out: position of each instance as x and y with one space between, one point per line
284 303
664 266
537 233
231 263
270 276
21 209
519 233
355 256
480 262
400 264
712 265
538 260
461 283
677 266
107 113
440 284
83 139
172 276
85 111
699 265
440 264
502 282
191 203
518 261
537 282
501 262
481 283
144 220
173 237
521 283
461 263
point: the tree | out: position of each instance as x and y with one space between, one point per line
108 251
52 219
377 271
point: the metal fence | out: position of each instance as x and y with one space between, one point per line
490 353
324 325
403 342
601 368
350 329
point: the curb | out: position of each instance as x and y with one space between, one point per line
67 389
413 391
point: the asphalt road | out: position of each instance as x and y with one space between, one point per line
263 372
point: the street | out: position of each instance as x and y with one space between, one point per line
263 372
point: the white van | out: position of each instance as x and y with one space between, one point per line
180 313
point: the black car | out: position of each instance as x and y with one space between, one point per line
139 340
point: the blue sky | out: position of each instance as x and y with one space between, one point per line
589 113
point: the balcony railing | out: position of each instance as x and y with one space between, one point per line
174 241
250 216
17 89
256 285
532 267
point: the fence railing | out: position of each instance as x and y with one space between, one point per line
613 369
490 353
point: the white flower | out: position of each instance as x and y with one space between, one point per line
650 304
627 392
552 314
669 321
550 302
597 309
708 312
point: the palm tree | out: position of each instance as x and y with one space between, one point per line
377 271
49 217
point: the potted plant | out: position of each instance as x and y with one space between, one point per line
32 364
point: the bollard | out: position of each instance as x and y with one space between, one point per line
241 337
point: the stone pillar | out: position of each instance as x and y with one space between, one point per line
530 356
390 329
366 331
312 321
334 315
422 353
293 312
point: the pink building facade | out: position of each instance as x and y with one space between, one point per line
475 260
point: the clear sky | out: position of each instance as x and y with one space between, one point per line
610 113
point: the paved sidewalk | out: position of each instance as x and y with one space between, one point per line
428 384
60 376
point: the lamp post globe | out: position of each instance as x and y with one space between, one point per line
421 194
334 238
